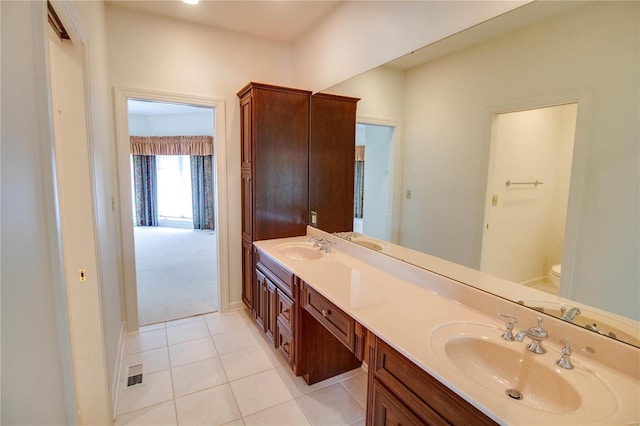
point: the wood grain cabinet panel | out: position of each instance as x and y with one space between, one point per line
417 390
341 325
248 275
388 410
274 133
332 141
285 312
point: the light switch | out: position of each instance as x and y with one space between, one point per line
408 194
82 275
494 200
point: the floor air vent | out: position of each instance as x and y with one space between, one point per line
134 375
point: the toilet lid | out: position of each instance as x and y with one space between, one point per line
556 269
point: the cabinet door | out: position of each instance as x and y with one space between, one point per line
246 199
261 297
271 313
247 275
266 309
245 131
280 162
332 144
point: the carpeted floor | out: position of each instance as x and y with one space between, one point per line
176 273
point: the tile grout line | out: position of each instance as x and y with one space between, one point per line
173 392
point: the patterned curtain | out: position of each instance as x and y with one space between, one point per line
359 190
202 191
146 190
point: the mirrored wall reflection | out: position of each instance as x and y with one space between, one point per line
528 190
374 179
446 98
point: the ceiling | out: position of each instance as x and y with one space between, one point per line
282 21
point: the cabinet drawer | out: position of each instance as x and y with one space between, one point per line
387 409
419 391
285 311
341 325
282 277
285 343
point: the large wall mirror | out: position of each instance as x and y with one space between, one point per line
515 151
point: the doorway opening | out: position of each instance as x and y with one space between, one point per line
528 191
173 208
375 180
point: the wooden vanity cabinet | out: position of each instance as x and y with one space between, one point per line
273 303
265 304
341 325
401 393
332 161
325 342
274 133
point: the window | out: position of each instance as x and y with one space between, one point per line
174 187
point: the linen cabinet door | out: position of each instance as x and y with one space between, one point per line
247 275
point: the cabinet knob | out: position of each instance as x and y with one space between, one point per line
286 311
325 312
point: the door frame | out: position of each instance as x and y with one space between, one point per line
581 97
396 161
122 95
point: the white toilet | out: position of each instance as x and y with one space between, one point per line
554 275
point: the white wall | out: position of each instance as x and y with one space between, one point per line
193 124
360 35
154 53
37 381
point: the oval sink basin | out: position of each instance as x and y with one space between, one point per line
300 251
508 370
501 369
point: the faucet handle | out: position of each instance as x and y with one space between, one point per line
508 332
537 331
325 246
565 359
316 240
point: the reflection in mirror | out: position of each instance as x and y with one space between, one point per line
584 56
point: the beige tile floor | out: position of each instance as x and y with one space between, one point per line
219 369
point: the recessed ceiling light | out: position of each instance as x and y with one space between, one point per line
191 1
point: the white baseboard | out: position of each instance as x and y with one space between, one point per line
115 380
534 281
234 306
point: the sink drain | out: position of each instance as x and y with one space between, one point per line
513 393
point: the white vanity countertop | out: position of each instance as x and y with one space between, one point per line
405 315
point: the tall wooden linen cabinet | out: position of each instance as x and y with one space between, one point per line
297 156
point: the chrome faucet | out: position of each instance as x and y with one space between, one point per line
594 327
508 332
325 246
565 359
537 334
346 235
570 315
316 241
